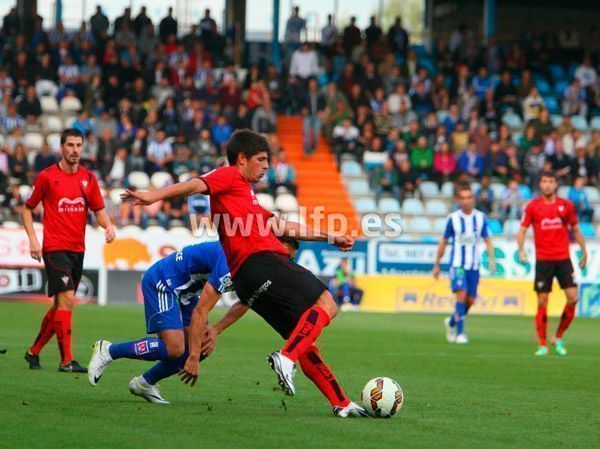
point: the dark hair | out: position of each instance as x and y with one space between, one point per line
462 188
548 174
70 132
289 241
246 142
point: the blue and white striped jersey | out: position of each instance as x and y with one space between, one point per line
466 232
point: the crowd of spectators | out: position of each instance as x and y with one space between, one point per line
152 99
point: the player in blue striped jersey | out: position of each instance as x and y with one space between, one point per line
466 227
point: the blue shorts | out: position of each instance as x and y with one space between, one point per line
462 279
163 308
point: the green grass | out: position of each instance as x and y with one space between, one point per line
491 393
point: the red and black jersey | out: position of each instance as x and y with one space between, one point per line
551 223
241 221
66 198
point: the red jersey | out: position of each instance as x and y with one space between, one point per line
551 222
66 198
240 220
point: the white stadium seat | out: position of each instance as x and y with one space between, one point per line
436 207
439 225
161 179
34 141
389 206
69 120
579 122
563 191
351 168
429 189
49 105
593 194
293 217
419 225
53 140
139 180
52 124
266 201
511 227
115 196
412 206
358 187
447 190
498 189
286 203
24 191
365 205
70 104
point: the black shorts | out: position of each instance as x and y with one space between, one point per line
546 270
64 270
278 289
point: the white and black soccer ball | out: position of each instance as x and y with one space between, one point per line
382 397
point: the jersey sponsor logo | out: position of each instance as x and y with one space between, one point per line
551 223
178 256
259 291
467 239
71 205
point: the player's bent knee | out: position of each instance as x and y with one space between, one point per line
175 351
327 303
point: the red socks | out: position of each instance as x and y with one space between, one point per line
45 334
541 322
565 319
62 327
319 372
307 330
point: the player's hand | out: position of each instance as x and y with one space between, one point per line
583 261
492 265
35 250
522 256
190 371
209 341
109 234
343 242
138 198
436 271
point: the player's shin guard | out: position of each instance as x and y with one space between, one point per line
541 323
62 326
565 319
145 349
45 334
321 375
307 330
166 368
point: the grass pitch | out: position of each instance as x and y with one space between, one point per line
491 393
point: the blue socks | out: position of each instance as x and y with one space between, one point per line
145 349
164 369
458 318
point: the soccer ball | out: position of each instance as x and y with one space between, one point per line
382 397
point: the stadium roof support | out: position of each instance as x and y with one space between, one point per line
275 45
489 19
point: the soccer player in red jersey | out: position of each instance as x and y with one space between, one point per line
67 190
551 218
288 297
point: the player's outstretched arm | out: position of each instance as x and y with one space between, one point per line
578 236
309 234
438 257
191 187
104 221
35 249
208 298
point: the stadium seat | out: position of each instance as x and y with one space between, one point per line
563 191
579 122
439 225
266 201
552 104
358 187
53 140
139 180
389 206
593 194
161 179
115 196
511 227
525 191
419 225
516 137
475 186
447 190
52 124
412 206
437 208
595 123
281 190
442 114
294 217
34 141
498 189
543 86
429 189
24 191
286 203
556 119
365 205
49 105
495 227
560 87
351 168
69 120
597 212
558 72
11 224
185 177
587 229
70 104
512 120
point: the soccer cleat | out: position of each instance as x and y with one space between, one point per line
72 367
541 351
99 361
450 331
462 339
33 360
143 389
352 410
285 370
559 346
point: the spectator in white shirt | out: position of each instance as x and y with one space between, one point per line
304 62
586 74
533 105
345 136
160 152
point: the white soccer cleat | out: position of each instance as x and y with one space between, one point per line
352 410
450 331
285 370
99 362
139 387
462 339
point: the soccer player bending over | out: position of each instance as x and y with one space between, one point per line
289 297
551 218
466 227
67 190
